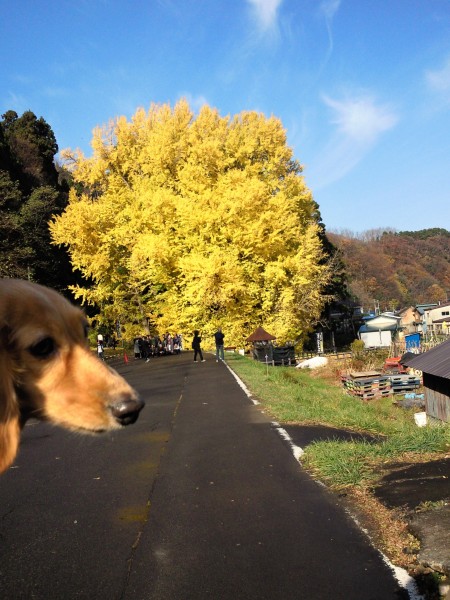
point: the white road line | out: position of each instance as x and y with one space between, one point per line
296 450
242 385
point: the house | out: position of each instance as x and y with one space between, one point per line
410 319
435 365
436 319
379 331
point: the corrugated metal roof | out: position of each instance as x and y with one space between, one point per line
371 329
437 306
435 361
421 308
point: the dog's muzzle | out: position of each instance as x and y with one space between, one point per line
127 411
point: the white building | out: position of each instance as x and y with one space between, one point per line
437 319
379 331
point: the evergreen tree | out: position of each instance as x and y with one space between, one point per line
29 196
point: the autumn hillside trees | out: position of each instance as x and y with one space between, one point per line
187 222
396 269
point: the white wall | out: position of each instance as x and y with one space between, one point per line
377 339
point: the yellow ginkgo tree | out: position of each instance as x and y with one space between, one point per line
183 221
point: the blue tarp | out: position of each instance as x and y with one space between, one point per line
412 341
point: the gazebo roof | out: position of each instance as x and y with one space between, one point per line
260 335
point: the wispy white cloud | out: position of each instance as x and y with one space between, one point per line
327 11
266 12
22 79
55 92
13 101
439 80
328 8
361 119
359 123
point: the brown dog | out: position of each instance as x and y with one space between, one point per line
48 372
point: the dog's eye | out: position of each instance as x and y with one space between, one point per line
44 348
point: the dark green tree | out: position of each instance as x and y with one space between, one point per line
29 195
32 146
14 257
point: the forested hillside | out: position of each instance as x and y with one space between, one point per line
396 268
29 195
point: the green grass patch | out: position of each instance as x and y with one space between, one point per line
339 464
342 464
295 396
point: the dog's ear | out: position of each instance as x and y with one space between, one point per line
9 406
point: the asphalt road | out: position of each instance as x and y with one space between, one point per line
200 499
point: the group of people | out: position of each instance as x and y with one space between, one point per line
147 346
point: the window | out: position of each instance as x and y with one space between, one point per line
445 313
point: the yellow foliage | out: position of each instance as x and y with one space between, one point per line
191 222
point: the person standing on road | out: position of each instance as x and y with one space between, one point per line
100 350
146 348
219 337
196 346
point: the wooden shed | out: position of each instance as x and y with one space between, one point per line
435 366
264 351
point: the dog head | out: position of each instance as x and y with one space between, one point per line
48 372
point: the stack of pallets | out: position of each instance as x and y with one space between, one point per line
367 385
404 383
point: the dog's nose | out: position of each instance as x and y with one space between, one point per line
126 411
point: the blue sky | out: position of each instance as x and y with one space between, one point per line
361 86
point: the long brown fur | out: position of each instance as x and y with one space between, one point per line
48 372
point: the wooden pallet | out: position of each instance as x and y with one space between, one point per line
403 378
373 395
368 386
373 390
403 390
365 374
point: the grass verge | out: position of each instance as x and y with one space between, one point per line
293 396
